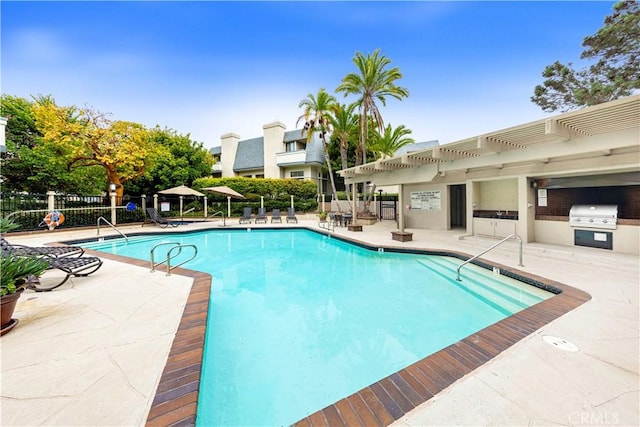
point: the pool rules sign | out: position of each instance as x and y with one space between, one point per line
426 200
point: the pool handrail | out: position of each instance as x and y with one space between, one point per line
490 248
176 245
112 226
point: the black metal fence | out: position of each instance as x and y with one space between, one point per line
30 210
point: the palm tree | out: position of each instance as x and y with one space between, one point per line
345 130
375 81
388 143
316 116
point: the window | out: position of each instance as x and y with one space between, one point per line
297 174
290 146
260 175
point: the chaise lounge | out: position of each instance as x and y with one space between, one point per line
275 216
262 215
246 216
77 267
291 215
159 220
52 251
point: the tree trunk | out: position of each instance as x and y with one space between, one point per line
329 168
344 156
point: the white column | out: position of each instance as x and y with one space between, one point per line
354 203
205 206
181 202
113 208
292 201
262 202
228 206
155 201
401 203
51 200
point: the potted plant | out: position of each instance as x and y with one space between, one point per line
323 216
18 274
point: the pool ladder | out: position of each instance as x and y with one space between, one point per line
170 255
492 247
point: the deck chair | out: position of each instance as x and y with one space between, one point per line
246 216
275 216
159 220
291 215
262 215
52 251
77 267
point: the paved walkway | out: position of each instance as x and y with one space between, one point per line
91 352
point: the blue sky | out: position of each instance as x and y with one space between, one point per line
209 68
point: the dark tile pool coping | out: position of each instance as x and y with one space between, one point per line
379 404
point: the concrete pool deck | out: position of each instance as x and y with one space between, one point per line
92 352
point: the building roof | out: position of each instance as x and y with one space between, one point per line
294 135
315 153
216 151
249 155
618 115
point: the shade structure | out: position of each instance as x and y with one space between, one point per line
181 190
223 190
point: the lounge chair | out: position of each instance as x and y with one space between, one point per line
159 219
77 267
291 215
52 251
246 216
275 216
262 215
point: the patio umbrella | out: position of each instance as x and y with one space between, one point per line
223 190
181 190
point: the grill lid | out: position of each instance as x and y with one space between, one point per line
594 216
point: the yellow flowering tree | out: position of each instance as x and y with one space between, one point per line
84 137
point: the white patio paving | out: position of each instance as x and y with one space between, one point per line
91 352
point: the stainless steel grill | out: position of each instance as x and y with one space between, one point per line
594 216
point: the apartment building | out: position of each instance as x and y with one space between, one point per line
278 153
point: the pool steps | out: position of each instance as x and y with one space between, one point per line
500 292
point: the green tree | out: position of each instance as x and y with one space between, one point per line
373 82
86 138
615 72
29 166
345 131
317 118
180 163
386 144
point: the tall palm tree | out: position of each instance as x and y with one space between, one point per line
345 129
374 82
316 116
388 143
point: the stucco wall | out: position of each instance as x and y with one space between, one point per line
427 219
626 238
498 195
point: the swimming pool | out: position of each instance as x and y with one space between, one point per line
299 320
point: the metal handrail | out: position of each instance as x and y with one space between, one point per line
328 225
195 253
221 213
176 245
112 226
492 247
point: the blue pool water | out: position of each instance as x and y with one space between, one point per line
299 320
